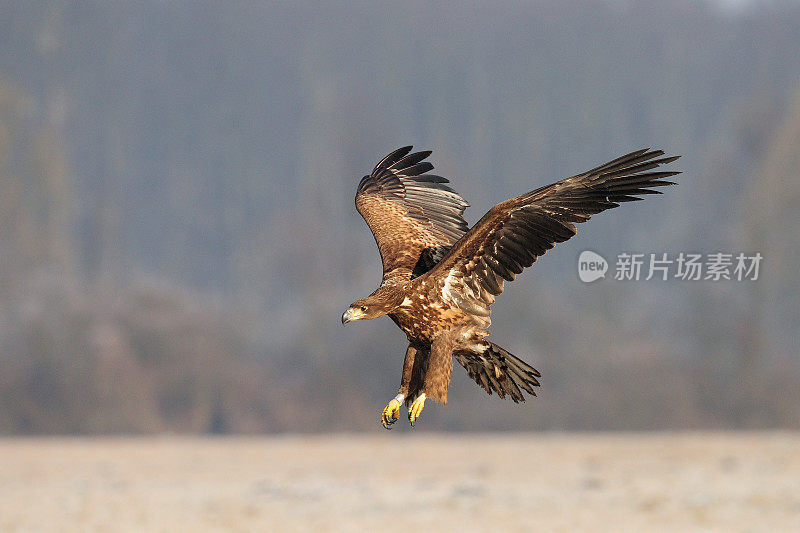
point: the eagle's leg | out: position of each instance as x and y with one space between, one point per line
392 410
437 376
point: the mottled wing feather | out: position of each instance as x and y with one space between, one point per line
409 211
513 234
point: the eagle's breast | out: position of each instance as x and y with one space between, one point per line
423 313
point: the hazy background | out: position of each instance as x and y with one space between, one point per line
178 238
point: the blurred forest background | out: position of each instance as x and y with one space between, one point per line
178 238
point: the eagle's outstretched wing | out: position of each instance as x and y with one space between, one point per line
514 233
409 212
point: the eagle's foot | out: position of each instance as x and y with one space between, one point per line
416 407
391 411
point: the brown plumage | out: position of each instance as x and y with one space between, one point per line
440 279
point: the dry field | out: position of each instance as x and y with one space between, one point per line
401 482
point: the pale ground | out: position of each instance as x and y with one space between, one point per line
411 482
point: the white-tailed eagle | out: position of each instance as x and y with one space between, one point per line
440 277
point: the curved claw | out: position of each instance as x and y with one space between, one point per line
390 413
415 409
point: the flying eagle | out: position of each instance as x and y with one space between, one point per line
440 277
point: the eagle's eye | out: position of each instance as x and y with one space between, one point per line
363 307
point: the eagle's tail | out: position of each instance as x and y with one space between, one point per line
495 369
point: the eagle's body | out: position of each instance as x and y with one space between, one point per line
440 278
424 313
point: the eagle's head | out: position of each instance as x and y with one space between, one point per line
379 303
365 309
358 310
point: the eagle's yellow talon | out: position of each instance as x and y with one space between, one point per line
415 409
390 413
